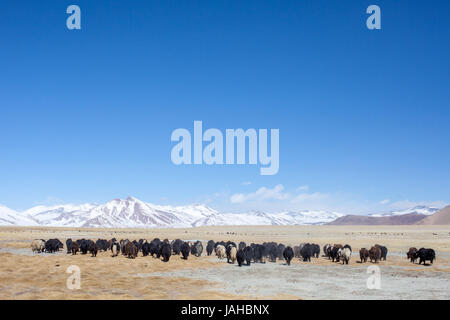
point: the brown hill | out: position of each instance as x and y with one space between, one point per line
354 220
440 217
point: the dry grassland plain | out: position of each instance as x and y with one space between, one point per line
24 275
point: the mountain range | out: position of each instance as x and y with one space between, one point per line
421 215
442 217
134 213
355 220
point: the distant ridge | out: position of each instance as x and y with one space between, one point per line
354 220
442 217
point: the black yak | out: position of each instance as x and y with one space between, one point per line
166 251
240 257
288 254
248 255
426 255
197 249
210 247
185 249
363 254
412 254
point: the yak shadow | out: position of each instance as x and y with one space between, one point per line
424 264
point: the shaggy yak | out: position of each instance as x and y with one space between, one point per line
248 254
155 247
210 247
221 252
272 251
334 252
131 250
326 251
102 244
176 246
240 257
384 251
345 254
123 244
375 254
93 249
363 254
412 254
38 245
53 245
306 252
145 247
233 253
288 254
259 253
84 245
228 251
166 251
280 250
315 250
426 255
197 249
185 250
115 249
74 248
68 242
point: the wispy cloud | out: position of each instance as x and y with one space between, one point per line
277 193
308 197
385 201
277 198
262 194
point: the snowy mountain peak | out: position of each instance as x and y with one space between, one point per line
425 209
132 199
9 217
421 209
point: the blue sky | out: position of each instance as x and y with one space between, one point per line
86 115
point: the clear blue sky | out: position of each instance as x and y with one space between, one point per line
364 116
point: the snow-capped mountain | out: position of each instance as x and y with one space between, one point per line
60 215
262 218
134 213
9 217
417 209
127 213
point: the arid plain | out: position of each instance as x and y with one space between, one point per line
24 275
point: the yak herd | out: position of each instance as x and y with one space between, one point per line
241 253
